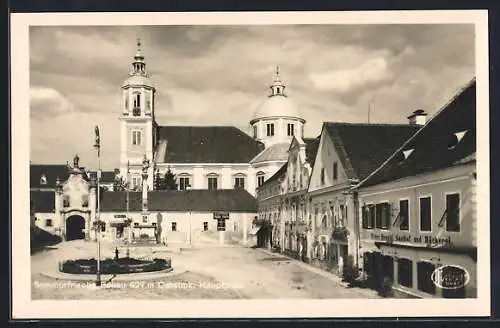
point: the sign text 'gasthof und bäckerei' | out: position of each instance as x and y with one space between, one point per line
418 239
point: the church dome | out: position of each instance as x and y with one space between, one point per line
277 104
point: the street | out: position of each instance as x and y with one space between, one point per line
210 272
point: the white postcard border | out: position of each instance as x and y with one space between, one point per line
24 308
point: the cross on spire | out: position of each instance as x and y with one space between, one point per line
139 64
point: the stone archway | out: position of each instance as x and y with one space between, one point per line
75 226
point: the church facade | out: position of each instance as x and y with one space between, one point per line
203 157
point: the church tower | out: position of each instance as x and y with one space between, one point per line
137 122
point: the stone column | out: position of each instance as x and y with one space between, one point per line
283 218
58 212
245 228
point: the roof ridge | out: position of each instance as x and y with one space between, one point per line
200 126
410 139
369 124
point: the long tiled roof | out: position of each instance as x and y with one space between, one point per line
280 173
276 152
42 201
116 201
364 147
50 171
430 145
206 144
231 200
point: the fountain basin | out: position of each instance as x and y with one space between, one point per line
114 266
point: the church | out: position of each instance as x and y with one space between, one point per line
217 170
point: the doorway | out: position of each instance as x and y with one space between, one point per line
75 226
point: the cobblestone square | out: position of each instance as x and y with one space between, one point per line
201 272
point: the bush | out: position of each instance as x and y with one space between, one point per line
350 272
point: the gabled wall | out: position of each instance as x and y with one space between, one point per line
325 158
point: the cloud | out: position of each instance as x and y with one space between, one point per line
48 102
371 71
220 74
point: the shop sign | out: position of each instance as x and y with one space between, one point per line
418 239
221 215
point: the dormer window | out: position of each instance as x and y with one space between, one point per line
403 156
455 139
43 179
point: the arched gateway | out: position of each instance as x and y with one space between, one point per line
75 227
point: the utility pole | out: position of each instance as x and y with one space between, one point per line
98 216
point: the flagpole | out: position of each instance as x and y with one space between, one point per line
98 216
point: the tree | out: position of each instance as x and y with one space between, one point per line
169 181
159 181
119 184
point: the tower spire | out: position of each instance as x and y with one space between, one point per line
278 87
139 64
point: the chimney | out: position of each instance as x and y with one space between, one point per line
418 117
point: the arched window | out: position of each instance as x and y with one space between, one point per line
137 104
212 181
184 181
239 181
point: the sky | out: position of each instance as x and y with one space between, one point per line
219 75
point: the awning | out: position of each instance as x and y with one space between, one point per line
117 223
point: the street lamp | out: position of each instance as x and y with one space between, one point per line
97 146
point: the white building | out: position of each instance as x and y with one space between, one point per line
347 153
418 208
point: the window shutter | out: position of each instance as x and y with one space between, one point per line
364 215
